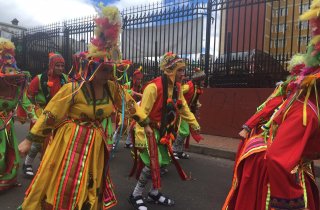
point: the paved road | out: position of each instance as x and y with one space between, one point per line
206 191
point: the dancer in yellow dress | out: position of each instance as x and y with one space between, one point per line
74 171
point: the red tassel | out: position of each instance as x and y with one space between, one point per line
154 162
137 162
139 168
196 136
135 151
181 172
187 144
21 114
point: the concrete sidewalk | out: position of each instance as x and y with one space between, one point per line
224 147
216 146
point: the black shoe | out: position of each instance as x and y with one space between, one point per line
137 202
181 155
156 199
27 171
175 155
163 171
128 146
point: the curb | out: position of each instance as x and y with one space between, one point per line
219 153
229 155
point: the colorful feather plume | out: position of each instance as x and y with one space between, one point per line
105 45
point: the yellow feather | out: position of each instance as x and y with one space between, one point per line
315 4
295 60
111 13
6 44
315 40
308 80
310 14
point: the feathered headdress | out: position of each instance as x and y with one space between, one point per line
308 76
79 62
312 58
138 73
105 45
169 63
6 47
8 63
296 64
198 74
103 51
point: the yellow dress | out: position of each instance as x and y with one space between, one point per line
73 173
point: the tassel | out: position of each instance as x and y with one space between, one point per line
181 172
187 144
305 106
317 101
74 92
196 136
154 162
135 151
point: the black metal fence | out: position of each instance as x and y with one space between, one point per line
239 43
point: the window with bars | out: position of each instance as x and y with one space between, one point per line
279 28
279 11
303 25
303 8
283 11
282 27
280 43
303 40
275 13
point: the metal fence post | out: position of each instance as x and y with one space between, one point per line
208 37
124 22
24 51
156 57
66 48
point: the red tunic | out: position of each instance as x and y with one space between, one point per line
294 145
33 89
156 112
265 113
250 168
189 95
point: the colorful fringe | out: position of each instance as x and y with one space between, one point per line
255 144
73 167
9 149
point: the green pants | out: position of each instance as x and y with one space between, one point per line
163 153
184 130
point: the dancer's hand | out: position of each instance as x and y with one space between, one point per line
244 133
148 130
33 121
136 93
24 147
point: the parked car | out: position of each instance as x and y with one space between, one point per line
246 69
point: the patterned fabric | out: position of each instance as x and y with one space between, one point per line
11 94
281 203
73 168
9 157
73 171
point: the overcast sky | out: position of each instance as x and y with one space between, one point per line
38 12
